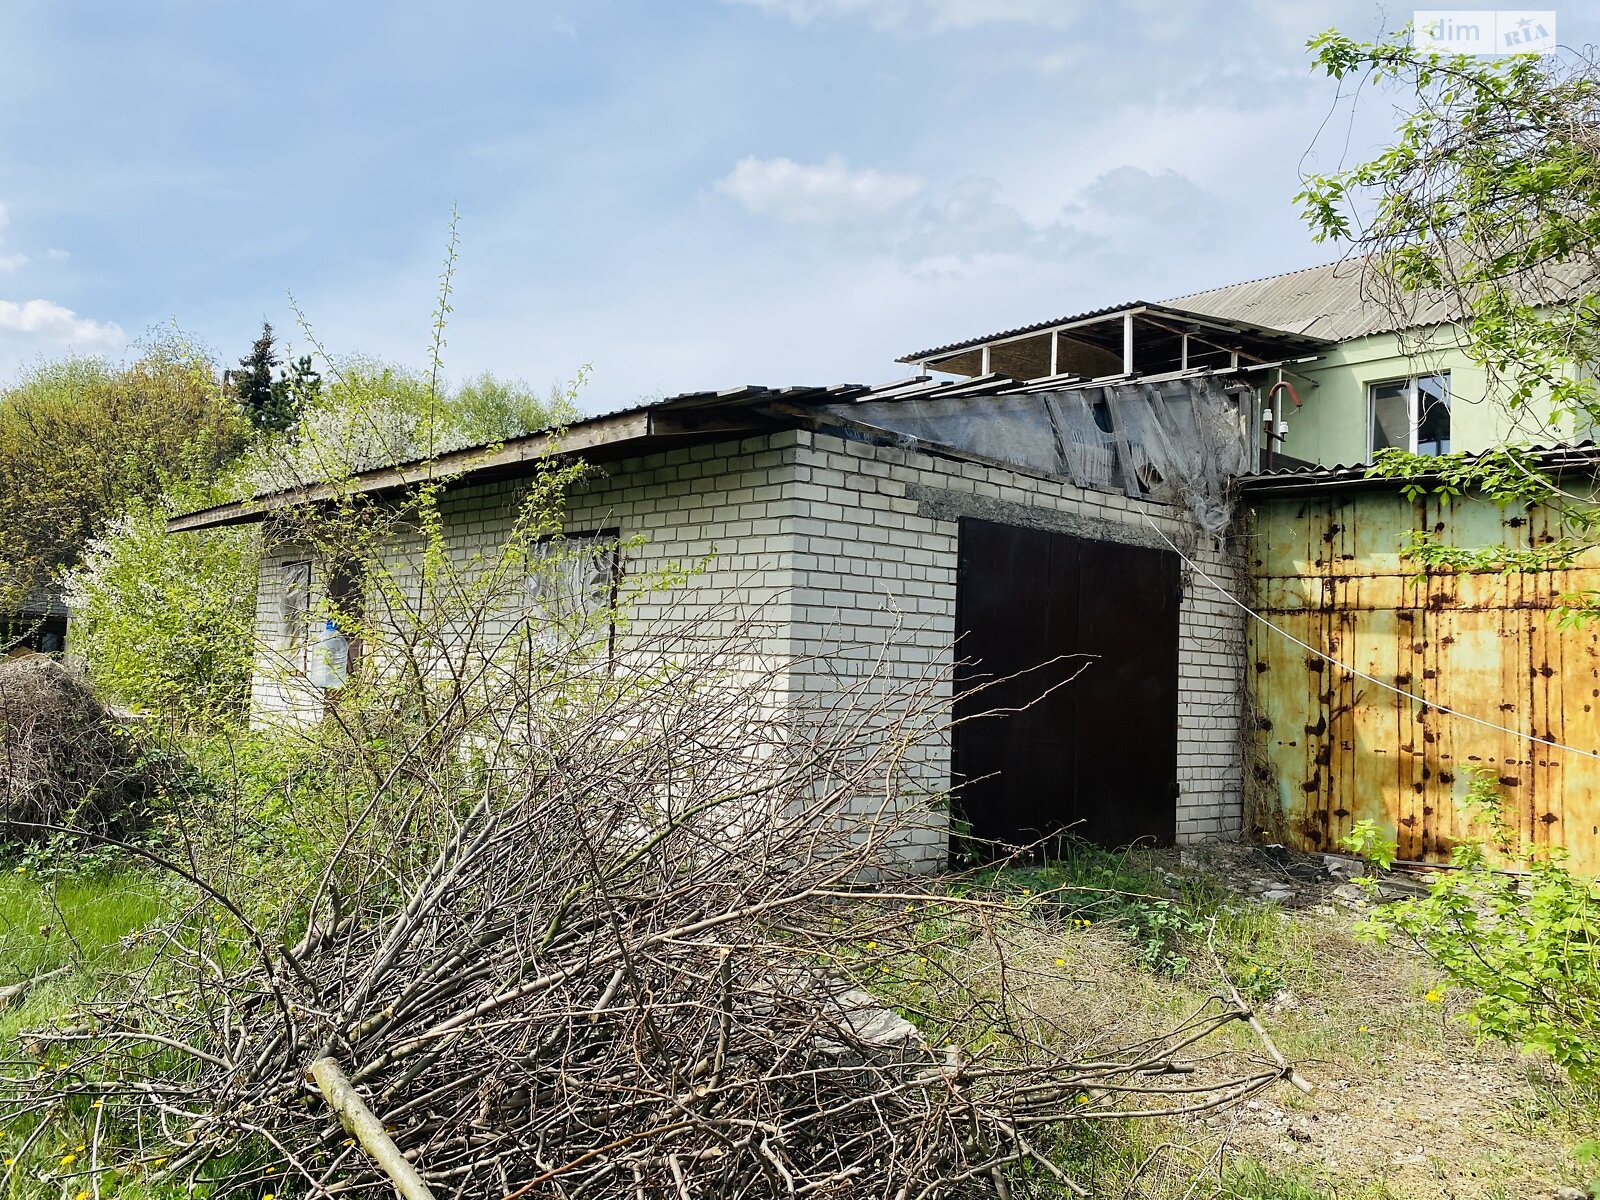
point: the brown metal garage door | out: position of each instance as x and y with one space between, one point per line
1033 755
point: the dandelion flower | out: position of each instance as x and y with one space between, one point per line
1433 995
68 1159
872 945
1061 962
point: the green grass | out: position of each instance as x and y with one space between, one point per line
81 923
73 919
1250 1180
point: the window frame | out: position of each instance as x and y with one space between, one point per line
298 641
610 538
1413 394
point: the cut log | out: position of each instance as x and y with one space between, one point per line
359 1121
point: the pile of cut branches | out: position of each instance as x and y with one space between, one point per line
65 761
643 960
590 926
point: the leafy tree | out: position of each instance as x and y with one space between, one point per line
81 438
373 413
273 398
1485 208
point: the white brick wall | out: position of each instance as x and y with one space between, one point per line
843 554
877 530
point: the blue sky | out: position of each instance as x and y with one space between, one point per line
680 193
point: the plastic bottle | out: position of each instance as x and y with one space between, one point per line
330 658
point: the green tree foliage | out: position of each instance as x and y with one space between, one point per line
164 621
370 413
82 438
272 397
1487 204
1489 199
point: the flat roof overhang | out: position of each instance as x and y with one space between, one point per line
1127 339
598 439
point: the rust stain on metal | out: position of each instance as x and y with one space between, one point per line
1338 750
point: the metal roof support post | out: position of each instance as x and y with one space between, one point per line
1183 353
1127 344
1055 352
983 368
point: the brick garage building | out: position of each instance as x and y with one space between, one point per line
965 532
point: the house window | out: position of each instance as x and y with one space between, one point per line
571 589
1409 414
295 612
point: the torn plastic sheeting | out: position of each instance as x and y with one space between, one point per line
1013 429
1185 437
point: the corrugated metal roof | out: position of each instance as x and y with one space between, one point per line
1331 302
1334 301
730 412
1578 455
1328 301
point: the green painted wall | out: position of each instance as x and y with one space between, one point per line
1330 427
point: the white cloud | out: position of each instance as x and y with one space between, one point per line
829 192
48 321
16 260
1163 200
933 16
973 223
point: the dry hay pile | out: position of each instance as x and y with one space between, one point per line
65 762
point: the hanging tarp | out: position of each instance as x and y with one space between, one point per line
1180 441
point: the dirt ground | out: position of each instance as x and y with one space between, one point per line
1405 1096
1406 1102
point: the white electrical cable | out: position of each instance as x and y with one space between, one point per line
1399 691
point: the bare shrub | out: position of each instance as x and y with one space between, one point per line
65 761
583 923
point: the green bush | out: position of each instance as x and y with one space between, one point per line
164 621
1526 945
